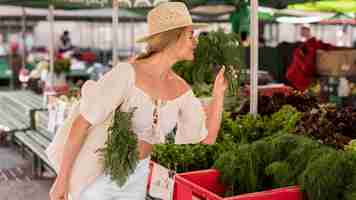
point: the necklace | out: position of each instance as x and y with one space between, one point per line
156 121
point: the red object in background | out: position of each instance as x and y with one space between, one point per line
204 185
57 90
302 69
270 90
59 56
14 47
88 56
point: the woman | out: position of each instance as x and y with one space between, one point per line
163 100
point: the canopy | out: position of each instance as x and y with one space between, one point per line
84 4
339 6
104 14
60 4
341 18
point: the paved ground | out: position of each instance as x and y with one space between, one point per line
16 182
27 190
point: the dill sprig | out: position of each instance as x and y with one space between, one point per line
120 154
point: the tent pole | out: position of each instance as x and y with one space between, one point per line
254 58
51 44
23 23
50 79
9 55
115 26
80 25
132 37
93 34
351 35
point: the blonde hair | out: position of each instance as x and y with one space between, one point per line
160 41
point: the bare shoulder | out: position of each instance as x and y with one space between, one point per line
182 85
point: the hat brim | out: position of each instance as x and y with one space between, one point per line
148 37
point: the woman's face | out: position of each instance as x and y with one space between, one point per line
186 44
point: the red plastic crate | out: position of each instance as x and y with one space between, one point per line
204 185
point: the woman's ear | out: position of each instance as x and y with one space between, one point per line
174 46
180 40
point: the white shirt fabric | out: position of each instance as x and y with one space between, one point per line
100 99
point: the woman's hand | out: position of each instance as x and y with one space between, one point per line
220 84
215 108
59 190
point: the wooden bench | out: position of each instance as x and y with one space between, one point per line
36 140
27 121
13 117
34 144
42 138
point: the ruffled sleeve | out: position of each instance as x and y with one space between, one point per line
100 98
191 126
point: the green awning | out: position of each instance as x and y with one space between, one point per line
59 4
339 6
85 4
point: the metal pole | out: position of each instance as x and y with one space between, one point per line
80 24
51 43
278 32
23 37
115 26
296 32
132 37
9 55
352 36
254 58
92 39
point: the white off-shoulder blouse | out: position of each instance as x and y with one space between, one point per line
100 99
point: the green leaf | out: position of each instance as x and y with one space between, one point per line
120 154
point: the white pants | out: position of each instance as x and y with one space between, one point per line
103 188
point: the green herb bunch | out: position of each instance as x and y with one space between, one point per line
330 177
184 158
218 49
351 146
284 120
215 50
61 66
286 159
120 154
248 128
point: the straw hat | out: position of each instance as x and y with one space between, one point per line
168 16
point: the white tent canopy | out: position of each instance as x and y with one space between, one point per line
92 14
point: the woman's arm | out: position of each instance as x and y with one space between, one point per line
76 138
215 108
213 112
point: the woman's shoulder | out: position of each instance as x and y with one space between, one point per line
124 66
121 75
182 85
123 70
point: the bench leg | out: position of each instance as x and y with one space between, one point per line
22 150
41 169
35 166
12 140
